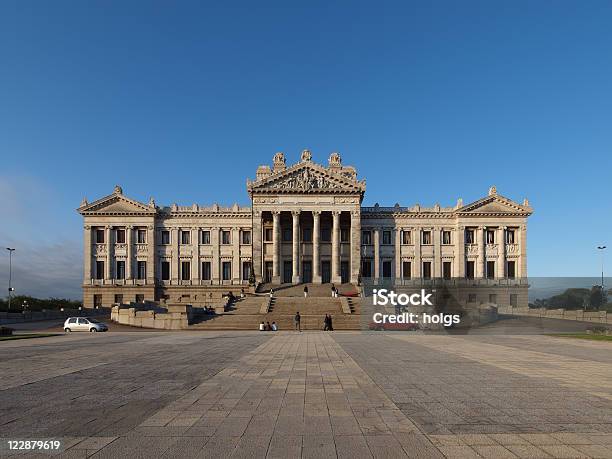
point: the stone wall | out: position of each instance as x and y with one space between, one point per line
173 317
600 317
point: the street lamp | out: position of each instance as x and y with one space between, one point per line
601 248
10 289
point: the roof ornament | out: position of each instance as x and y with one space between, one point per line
493 190
118 190
84 202
335 160
279 161
151 202
526 202
459 203
306 155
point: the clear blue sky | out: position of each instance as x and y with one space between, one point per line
431 101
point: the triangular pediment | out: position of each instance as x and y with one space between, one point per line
495 204
306 177
116 204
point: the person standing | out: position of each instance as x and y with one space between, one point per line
297 320
330 327
305 291
326 323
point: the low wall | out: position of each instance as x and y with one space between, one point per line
173 317
600 317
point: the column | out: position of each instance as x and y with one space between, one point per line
129 230
108 269
376 255
500 269
87 255
416 240
481 266
195 256
295 252
151 255
235 255
335 265
276 247
355 246
215 239
257 246
522 272
437 260
316 257
460 252
398 255
176 259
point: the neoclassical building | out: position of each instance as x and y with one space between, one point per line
306 224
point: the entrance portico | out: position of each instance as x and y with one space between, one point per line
308 218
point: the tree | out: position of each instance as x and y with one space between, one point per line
596 297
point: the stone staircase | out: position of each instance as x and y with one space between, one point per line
248 313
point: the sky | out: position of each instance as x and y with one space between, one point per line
430 101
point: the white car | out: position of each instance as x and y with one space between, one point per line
84 324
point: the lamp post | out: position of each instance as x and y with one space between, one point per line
10 288
601 248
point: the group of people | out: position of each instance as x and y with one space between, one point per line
267 327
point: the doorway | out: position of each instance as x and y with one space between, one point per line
287 272
325 272
344 271
268 272
307 271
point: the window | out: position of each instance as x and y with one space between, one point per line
306 234
426 238
246 270
406 270
97 301
469 270
141 236
472 298
366 268
120 236
205 271
226 237
99 269
185 270
325 234
226 268
165 270
469 236
165 237
446 237
205 237
185 237
386 269
246 237
490 236
268 234
513 299
426 270
386 237
366 237
446 270
141 272
406 237
140 298
120 272
118 298
511 269
344 235
490 270
99 236
493 298
510 236
287 233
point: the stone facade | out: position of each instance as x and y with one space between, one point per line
306 224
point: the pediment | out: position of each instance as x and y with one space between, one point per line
116 204
306 177
495 204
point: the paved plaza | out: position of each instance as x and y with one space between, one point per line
315 394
